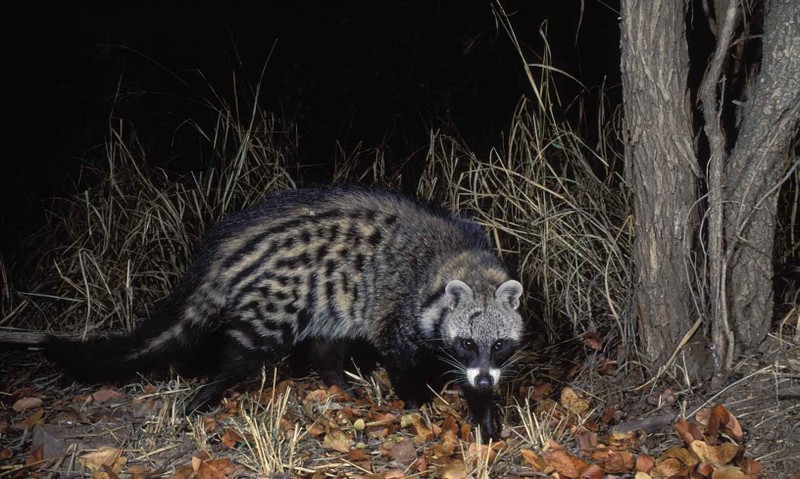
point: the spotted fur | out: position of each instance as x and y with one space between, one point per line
421 286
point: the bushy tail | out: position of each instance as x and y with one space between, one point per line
114 357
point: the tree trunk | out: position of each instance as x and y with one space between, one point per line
662 172
754 170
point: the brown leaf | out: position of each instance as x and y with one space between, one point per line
717 418
565 463
682 455
618 462
454 470
337 441
26 403
104 395
6 453
104 457
318 395
393 474
357 455
35 457
717 456
212 469
609 416
532 459
592 340
587 441
231 438
540 391
404 452
138 471
729 472
593 472
688 431
751 466
30 421
572 402
670 467
645 463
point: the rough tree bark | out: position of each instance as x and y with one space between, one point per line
745 167
756 165
661 169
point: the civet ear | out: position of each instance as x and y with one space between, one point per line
457 292
509 293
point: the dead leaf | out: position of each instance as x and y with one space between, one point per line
670 467
644 463
540 391
393 474
454 470
30 421
532 459
751 466
319 395
26 403
231 438
729 472
104 395
717 456
565 463
103 457
138 471
643 475
593 472
618 462
404 452
35 458
337 441
592 340
572 402
688 431
357 455
682 455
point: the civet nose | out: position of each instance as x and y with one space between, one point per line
484 381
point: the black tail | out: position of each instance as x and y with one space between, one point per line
114 357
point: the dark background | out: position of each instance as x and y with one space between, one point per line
380 72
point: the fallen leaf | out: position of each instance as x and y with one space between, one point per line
357 455
404 452
540 391
454 470
572 402
103 457
565 463
231 438
337 441
104 395
618 462
729 472
688 431
593 472
670 467
592 340
532 459
138 471
26 403
716 418
318 395
751 466
682 455
30 421
643 475
644 463
393 474
717 456
35 458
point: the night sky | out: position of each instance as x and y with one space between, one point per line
380 73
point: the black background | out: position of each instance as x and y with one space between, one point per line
380 72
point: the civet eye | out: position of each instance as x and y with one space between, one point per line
468 344
498 345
